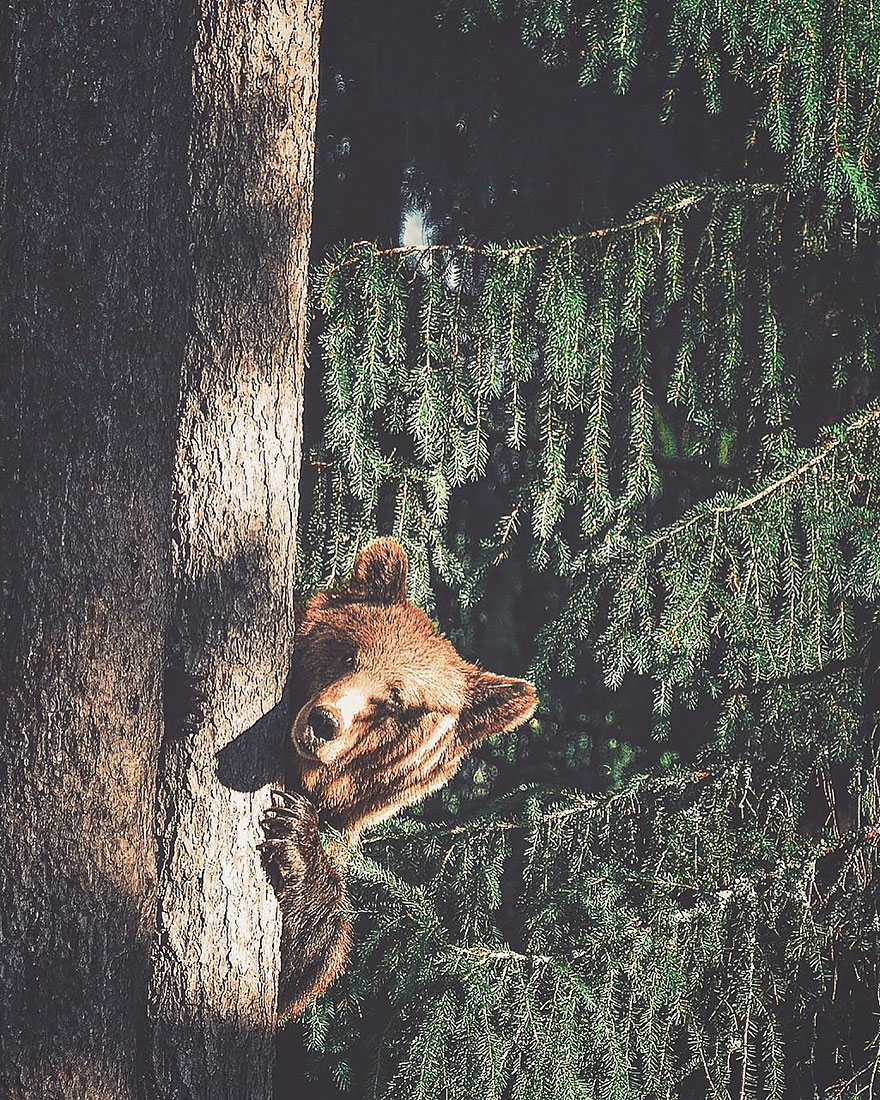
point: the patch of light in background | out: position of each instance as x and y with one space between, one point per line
416 232
415 229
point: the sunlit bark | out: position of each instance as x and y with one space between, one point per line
155 183
235 513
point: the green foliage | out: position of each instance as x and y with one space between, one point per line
440 358
643 460
670 938
679 934
813 69
767 583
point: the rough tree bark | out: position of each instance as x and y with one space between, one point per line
155 181
93 315
237 464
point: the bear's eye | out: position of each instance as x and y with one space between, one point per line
390 707
349 660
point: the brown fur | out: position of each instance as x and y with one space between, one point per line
315 923
396 711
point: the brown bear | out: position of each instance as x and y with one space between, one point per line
384 712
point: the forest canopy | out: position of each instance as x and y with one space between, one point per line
621 409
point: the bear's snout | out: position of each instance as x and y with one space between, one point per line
323 723
329 723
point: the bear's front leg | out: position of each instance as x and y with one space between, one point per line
315 925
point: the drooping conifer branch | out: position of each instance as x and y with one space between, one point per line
793 559
865 422
818 113
551 346
349 252
714 893
662 439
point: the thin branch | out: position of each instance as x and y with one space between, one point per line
868 417
655 217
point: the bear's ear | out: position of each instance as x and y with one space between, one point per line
379 574
496 704
306 615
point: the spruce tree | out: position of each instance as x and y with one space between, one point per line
634 452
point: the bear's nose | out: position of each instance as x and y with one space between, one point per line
323 723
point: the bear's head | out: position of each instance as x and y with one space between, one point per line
385 709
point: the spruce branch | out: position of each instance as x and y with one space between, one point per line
571 407
356 250
866 420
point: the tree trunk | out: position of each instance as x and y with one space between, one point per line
92 329
238 451
115 157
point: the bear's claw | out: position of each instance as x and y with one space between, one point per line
290 828
292 800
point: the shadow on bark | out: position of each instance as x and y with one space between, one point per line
52 965
48 970
88 916
193 1066
254 759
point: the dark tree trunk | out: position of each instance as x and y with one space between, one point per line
92 329
155 181
238 453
